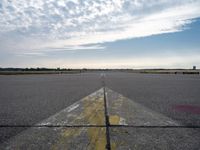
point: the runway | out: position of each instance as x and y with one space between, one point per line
142 111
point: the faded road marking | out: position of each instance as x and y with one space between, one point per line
73 107
132 113
88 111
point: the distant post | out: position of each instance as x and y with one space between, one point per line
194 68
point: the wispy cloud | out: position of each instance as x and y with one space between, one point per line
72 24
75 47
30 54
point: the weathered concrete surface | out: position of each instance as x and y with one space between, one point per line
59 139
29 99
129 138
174 96
87 130
123 111
87 111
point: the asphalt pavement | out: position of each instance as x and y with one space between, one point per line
27 99
176 96
146 111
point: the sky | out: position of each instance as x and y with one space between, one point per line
100 33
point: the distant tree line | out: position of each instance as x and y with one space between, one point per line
36 69
59 69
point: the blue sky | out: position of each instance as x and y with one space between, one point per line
100 33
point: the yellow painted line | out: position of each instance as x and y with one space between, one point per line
114 120
123 111
88 111
65 135
96 138
94 111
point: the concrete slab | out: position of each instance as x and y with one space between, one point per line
82 126
58 139
123 111
79 126
87 111
129 138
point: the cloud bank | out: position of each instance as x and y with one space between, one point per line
84 24
157 61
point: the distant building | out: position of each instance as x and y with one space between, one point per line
194 67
